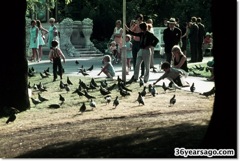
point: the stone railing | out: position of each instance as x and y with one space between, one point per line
74 37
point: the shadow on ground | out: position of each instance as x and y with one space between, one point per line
146 143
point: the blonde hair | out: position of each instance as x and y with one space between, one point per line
176 48
119 21
51 19
107 58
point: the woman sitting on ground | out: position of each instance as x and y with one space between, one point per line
179 59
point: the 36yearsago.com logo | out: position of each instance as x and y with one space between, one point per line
203 152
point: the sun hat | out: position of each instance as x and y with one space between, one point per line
172 21
129 36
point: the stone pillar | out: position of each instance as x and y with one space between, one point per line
66 29
87 26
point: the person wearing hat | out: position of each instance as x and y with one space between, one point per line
55 56
194 39
171 36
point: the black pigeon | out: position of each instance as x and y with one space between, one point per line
35 101
42 99
67 88
11 118
88 96
165 88
150 88
144 92
46 73
124 87
69 82
61 85
110 88
91 86
43 76
55 106
140 99
196 74
76 62
108 99
124 93
154 91
94 83
90 68
130 80
173 100
83 72
209 93
104 83
82 108
192 88
104 91
47 70
116 102
61 98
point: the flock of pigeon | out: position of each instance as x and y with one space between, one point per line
105 89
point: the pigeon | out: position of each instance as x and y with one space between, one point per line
196 74
67 88
88 96
124 93
116 102
47 70
35 101
154 91
76 62
61 98
82 108
92 104
69 81
11 118
43 76
61 85
209 93
111 87
144 92
150 88
108 99
104 83
173 100
42 99
55 106
90 68
104 91
83 73
165 88
192 88
94 83
140 99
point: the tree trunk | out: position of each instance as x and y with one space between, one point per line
14 65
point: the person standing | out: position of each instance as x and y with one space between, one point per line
150 29
193 38
201 35
136 41
34 40
52 33
171 36
129 52
55 56
42 31
147 40
117 37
